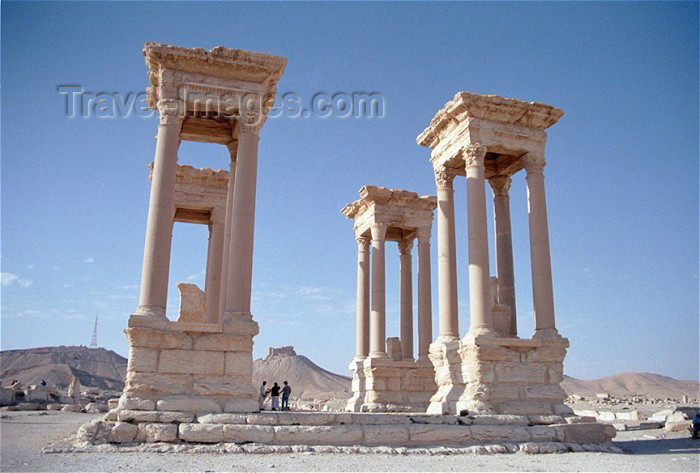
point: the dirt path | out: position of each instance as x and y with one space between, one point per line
24 434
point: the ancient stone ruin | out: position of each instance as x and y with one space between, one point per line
190 380
203 361
492 138
385 374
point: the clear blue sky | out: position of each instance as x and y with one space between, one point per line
622 178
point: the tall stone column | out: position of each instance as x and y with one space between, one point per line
425 316
378 313
504 247
233 152
240 255
542 293
362 323
406 278
212 285
161 211
447 256
479 278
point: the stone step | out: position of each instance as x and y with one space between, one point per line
362 430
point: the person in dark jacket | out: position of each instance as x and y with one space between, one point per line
275 396
286 391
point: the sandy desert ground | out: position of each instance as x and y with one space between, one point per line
24 434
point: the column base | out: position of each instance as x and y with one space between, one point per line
546 333
153 311
476 335
379 355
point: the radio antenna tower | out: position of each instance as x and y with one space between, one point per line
93 343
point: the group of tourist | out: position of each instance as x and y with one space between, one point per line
274 394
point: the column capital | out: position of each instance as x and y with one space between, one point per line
363 242
378 230
474 154
405 246
169 115
423 234
251 122
444 177
500 185
534 163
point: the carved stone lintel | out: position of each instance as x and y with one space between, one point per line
405 247
534 163
362 243
378 231
444 178
474 154
500 185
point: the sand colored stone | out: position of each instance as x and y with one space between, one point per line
201 363
487 138
386 375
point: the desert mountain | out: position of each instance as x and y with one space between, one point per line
308 380
98 367
627 385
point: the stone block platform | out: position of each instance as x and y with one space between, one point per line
340 429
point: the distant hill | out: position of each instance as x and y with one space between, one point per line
97 367
654 386
307 380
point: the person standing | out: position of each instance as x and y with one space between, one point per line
275 396
261 395
286 391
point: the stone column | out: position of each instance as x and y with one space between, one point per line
425 322
240 256
378 314
233 151
212 286
479 278
362 324
447 256
504 247
406 278
542 293
161 211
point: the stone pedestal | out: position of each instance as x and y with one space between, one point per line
487 375
191 368
386 385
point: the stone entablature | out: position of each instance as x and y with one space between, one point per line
509 128
402 211
195 74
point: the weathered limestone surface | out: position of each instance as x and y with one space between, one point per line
382 215
500 375
391 385
172 368
491 138
193 305
391 430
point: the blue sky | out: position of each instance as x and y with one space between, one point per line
622 174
